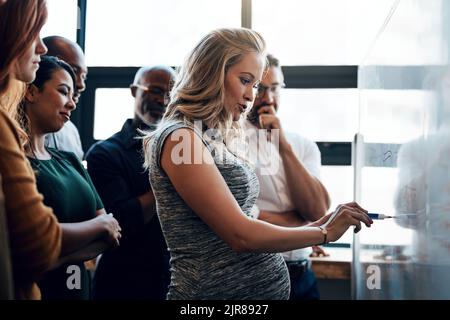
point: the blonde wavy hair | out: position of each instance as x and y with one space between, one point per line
199 90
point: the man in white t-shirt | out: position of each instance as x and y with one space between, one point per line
291 193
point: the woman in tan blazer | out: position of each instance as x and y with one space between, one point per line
34 233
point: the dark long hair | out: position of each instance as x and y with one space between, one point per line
47 67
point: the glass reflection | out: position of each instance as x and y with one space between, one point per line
411 139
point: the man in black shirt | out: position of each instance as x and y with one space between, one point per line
139 268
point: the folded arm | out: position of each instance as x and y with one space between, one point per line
284 219
76 236
310 197
89 252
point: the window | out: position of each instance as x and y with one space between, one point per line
414 35
401 114
148 32
62 20
320 114
320 32
112 108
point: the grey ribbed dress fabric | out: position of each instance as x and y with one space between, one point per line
203 266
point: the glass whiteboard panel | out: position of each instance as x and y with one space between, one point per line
402 156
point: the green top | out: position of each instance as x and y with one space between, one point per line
68 189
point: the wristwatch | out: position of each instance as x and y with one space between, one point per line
324 232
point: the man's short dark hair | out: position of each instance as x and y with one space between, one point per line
272 61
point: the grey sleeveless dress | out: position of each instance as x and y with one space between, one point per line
203 266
